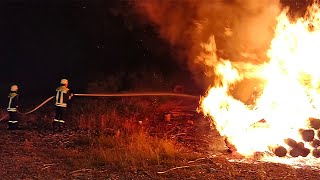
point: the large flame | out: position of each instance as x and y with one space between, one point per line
288 95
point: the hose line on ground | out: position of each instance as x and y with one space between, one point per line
137 94
110 95
4 117
36 108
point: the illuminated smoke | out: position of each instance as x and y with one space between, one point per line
240 30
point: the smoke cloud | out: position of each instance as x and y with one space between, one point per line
238 30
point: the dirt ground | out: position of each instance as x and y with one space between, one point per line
31 153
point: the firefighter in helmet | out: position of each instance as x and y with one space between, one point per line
62 97
12 107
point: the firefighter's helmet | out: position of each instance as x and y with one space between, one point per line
14 88
64 81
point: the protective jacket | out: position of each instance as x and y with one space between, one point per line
13 102
63 95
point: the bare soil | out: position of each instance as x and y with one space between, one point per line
31 153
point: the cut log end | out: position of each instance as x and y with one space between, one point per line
290 142
305 152
307 134
314 123
316 153
315 143
294 152
280 151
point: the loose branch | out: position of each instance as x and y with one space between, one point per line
180 167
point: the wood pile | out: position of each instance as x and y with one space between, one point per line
308 143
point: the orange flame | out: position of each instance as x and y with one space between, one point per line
290 89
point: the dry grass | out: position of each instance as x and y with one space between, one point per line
117 139
116 135
134 149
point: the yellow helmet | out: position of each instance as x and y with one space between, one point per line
14 88
64 81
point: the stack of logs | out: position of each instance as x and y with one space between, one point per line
308 144
299 147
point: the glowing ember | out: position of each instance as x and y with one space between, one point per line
285 100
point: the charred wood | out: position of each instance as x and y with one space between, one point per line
316 153
290 142
314 123
315 143
307 134
300 145
305 152
278 150
294 152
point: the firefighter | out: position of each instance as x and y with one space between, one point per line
12 108
62 97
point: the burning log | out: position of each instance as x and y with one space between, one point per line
292 143
278 150
315 143
297 148
314 123
305 152
295 152
307 134
316 153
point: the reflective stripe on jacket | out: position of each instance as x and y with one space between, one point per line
13 102
63 95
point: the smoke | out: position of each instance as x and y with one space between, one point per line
238 30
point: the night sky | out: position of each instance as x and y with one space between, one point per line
43 41
84 41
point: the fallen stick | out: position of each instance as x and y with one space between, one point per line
180 167
197 160
80 170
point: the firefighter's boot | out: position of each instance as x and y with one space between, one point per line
15 126
10 126
61 126
55 125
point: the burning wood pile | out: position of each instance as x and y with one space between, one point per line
276 122
307 145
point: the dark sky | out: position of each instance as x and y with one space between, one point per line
45 40
42 41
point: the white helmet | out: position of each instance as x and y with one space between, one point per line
64 81
14 88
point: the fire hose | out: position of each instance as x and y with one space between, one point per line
43 103
110 95
138 94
